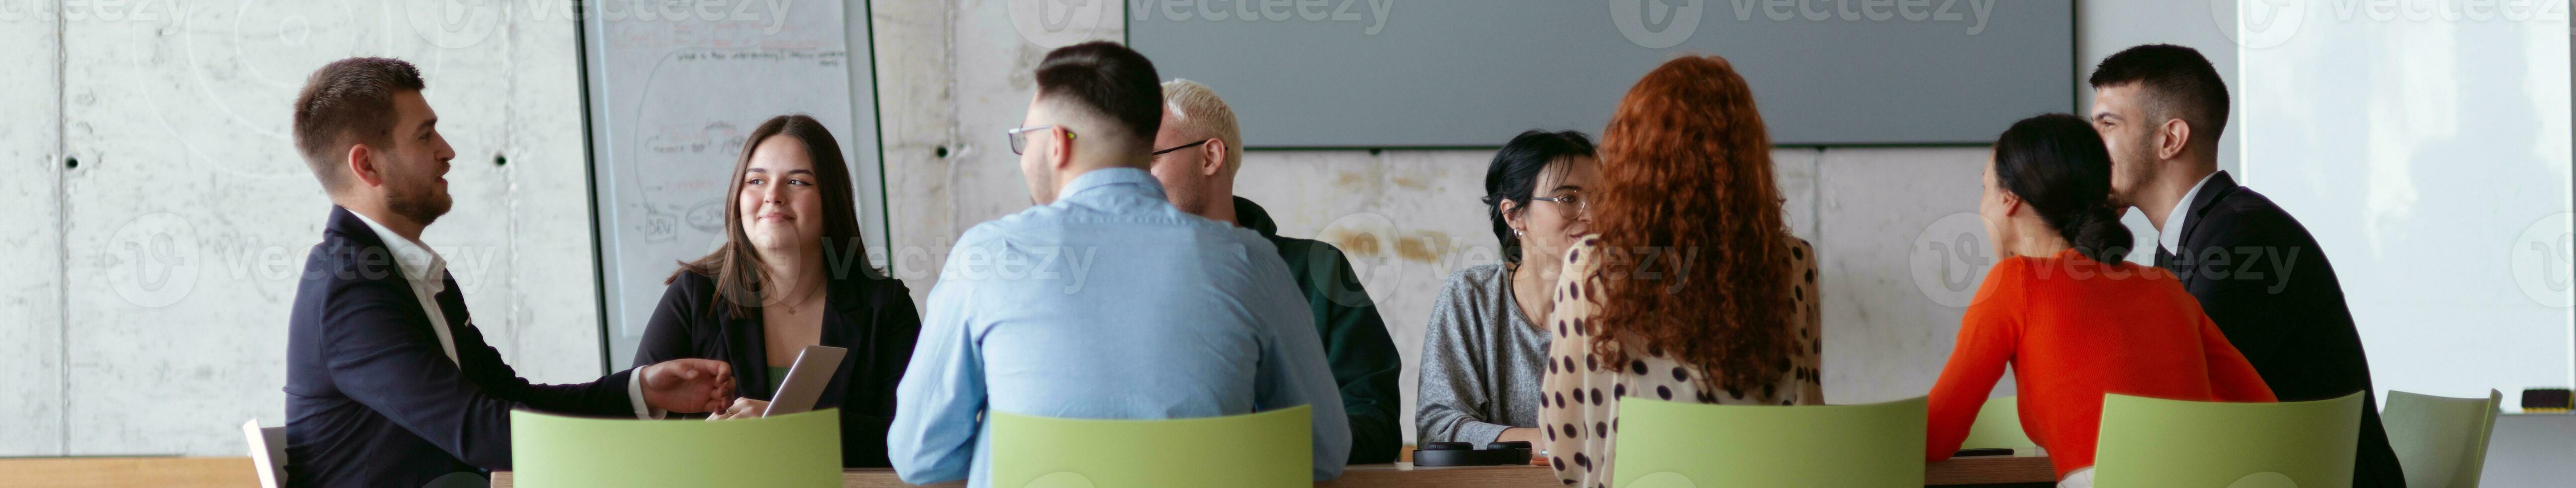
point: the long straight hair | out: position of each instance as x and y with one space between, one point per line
737 266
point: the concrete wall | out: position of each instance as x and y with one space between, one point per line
149 310
146 308
1409 218
31 293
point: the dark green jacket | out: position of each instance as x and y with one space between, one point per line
1364 360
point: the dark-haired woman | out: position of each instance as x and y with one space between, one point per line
1483 353
792 273
2070 317
1692 290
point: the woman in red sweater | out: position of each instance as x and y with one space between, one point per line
2070 317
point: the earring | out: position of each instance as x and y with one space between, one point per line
1516 232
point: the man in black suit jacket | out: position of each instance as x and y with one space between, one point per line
388 382
2257 272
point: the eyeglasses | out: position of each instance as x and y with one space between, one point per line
1201 142
1020 136
1570 199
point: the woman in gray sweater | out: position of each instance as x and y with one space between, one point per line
1483 355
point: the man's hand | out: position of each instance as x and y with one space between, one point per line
688 385
743 408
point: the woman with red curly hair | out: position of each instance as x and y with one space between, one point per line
1692 290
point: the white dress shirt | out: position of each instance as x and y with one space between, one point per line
2169 237
427 273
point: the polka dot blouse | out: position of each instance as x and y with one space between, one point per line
1579 394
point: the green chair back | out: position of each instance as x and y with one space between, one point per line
799 450
2148 442
1260 450
1999 426
2441 441
1681 445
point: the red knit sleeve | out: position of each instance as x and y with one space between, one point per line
1988 337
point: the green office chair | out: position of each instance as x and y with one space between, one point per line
2147 442
2442 442
1683 445
549 451
1999 426
1260 450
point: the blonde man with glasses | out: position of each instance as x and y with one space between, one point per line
1196 155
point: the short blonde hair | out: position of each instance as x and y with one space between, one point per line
1198 109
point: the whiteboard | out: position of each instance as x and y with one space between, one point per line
1471 73
672 94
2431 158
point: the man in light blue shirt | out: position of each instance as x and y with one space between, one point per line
1104 301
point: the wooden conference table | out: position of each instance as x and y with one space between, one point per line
1979 470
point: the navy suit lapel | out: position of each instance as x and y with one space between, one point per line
378 263
451 305
750 348
2220 184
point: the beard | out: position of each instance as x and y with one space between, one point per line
2140 168
421 201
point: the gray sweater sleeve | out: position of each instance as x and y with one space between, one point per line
1452 392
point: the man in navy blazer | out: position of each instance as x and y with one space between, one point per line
2257 273
388 383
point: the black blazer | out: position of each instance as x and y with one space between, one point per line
873 317
2268 286
371 398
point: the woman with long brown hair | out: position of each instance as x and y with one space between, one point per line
793 272
1692 289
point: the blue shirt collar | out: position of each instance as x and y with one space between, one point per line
1122 180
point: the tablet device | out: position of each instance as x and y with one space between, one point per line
806 380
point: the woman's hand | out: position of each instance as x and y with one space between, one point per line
743 408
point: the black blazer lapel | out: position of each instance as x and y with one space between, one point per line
2219 186
2183 261
749 348
379 264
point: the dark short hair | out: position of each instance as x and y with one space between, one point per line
2057 164
2178 84
1514 174
1108 79
348 102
